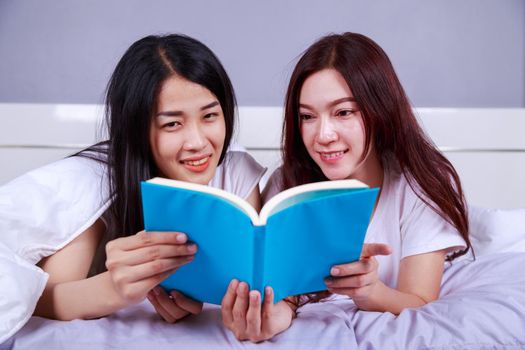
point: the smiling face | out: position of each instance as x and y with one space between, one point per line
187 131
332 128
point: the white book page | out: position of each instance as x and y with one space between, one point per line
286 198
279 202
230 197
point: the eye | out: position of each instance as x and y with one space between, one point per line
345 113
171 125
210 116
306 117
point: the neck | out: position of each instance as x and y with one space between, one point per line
371 171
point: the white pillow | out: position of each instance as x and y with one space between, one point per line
497 230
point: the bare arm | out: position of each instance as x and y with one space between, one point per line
136 264
68 294
418 282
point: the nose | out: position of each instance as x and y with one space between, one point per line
195 139
326 133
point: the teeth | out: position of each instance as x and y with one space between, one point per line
332 155
197 162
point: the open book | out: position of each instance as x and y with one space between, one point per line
291 245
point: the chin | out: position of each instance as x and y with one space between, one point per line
205 181
186 176
202 179
337 175
334 178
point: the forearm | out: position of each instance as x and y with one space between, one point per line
387 299
84 299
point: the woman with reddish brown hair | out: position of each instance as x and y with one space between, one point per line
347 117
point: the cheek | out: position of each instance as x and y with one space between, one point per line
166 146
355 130
154 144
216 134
308 133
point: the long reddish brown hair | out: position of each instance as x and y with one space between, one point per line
390 125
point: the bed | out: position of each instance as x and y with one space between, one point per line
482 303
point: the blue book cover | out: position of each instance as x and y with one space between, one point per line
291 245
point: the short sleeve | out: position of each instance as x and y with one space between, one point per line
239 173
424 231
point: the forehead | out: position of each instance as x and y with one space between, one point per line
325 85
179 92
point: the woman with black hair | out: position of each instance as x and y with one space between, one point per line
170 111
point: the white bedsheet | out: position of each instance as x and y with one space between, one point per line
482 306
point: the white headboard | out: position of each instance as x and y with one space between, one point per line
487 146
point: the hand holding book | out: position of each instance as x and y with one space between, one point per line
137 263
359 279
249 318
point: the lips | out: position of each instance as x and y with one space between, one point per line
196 164
331 157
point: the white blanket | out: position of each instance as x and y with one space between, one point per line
482 303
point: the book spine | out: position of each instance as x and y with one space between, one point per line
258 259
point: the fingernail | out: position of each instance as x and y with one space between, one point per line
335 271
192 248
254 297
267 290
181 238
232 284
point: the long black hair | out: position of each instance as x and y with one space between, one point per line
131 99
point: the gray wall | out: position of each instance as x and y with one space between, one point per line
448 53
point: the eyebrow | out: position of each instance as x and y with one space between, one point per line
331 104
179 113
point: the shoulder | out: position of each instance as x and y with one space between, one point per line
238 159
422 229
65 176
239 173
401 192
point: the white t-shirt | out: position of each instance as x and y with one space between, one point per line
238 173
408 225
401 220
